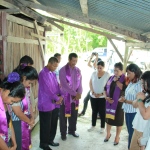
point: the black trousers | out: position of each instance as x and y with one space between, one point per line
18 133
72 120
85 103
98 106
48 126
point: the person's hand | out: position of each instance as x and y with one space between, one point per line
115 78
142 147
107 98
13 147
92 55
33 120
98 95
77 97
119 84
60 100
31 123
140 95
122 99
111 101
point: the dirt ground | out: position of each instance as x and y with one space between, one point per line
87 140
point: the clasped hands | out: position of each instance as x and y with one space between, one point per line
77 97
97 95
110 100
60 100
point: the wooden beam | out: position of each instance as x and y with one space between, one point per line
35 15
141 49
56 25
84 7
103 25
147 34
11 11
131 50
116 49
22 22
48 28
86 29
40 43
7 4
125 61
143 45
28 11
20 40
44 38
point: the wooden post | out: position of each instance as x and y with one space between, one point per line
40 42
3 44
125 61
131 50
116 49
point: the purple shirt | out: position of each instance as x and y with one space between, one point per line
72 90
48 90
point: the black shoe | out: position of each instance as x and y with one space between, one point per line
74 134
63 137
81 114
53 144
116 143
45 147
106 140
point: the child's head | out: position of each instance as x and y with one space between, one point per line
28 75
11 89
26 60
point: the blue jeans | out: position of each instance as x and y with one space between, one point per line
129 119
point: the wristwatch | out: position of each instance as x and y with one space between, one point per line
139 100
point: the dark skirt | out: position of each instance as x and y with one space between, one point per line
119 117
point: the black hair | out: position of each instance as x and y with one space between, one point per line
99 59
137 71
71 55
16 88
101 63
26 60
146 78
57 55
53 60
28 71
119 65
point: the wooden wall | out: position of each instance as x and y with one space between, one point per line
19 42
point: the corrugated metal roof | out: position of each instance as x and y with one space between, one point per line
132 15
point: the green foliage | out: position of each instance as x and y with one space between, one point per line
77 40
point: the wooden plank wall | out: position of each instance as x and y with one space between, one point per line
17 48
1 46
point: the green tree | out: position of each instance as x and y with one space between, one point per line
78 40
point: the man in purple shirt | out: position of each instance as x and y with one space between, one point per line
71 84
49 100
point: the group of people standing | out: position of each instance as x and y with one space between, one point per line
58 99
59 91
16 114
119 95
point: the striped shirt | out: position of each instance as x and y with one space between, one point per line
130 94
13 115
